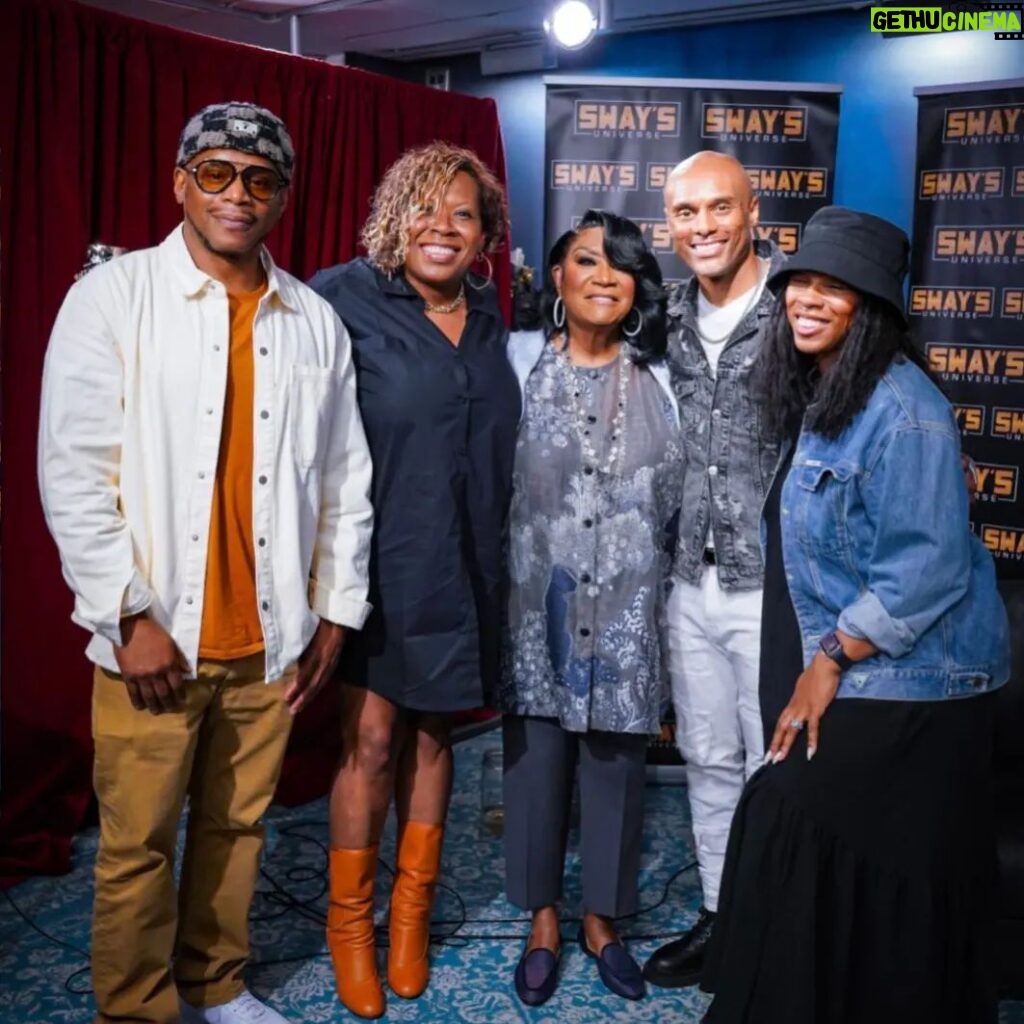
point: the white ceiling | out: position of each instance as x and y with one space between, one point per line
415 29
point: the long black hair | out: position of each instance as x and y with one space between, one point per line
789 384
626 250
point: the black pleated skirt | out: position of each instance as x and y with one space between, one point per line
858 886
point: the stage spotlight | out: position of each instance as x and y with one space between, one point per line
572 23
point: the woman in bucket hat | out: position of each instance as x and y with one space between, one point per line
857 879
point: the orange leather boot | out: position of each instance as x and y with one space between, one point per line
350 930
419 862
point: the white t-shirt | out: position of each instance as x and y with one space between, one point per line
718 322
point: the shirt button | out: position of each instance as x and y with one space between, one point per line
265 605
202 475
584 631
588 523
263 479
585 577
209 412
263 542
588 470
195 536
716 414
712 471
216 348
263 351
264 415
188 600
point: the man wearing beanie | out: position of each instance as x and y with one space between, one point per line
718 321
205 475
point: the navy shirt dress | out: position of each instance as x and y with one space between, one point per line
441 424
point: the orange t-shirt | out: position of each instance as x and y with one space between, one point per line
231 619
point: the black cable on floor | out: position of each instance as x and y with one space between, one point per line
283 901
77 950
454 937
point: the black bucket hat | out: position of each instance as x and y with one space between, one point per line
859 249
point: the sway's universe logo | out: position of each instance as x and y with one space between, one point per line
973 126
789 182
1003 541
615 119
976 364
595 176
745 122
952 303
997 482
962 183
1012 304
970 419
1008 424
970 243
785 236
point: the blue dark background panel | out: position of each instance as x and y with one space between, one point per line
878 111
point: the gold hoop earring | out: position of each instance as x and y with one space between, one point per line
488 277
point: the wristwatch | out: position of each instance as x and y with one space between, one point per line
833 649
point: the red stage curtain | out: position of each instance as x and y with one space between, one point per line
91 105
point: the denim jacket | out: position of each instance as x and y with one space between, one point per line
728 463
876 542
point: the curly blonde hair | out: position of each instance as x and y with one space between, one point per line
419 178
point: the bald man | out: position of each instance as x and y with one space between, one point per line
718 319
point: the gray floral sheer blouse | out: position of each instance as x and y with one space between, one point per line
590 551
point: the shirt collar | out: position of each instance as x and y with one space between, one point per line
194 281
480 293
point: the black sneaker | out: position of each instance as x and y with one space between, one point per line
679 963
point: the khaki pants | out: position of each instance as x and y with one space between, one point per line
224 749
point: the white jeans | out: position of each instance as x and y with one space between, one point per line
714 641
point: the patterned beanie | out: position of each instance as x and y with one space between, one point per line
242 126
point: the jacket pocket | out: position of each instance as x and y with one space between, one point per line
813 476
311 390
819 506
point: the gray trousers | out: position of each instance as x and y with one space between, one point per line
540 759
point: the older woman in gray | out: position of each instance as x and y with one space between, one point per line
595 499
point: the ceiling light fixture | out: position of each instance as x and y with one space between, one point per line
572 23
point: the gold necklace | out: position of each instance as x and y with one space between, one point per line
447 307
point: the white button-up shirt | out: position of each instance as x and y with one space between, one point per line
129 436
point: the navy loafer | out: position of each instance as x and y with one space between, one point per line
620 973
536 976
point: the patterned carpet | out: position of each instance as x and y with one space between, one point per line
43 981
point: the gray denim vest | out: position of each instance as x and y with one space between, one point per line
728 463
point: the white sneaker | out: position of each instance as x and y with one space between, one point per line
243 1009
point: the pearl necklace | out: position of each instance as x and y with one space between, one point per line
447 307
616 449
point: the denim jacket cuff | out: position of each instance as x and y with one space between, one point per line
867 619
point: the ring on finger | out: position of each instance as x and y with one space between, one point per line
796 723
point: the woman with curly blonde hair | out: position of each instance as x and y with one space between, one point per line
440 406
